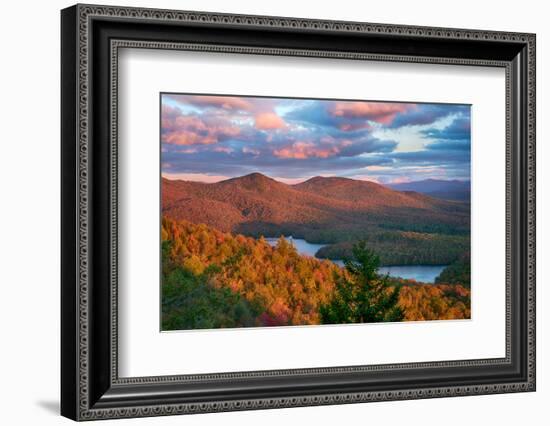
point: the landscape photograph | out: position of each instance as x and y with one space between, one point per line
301 212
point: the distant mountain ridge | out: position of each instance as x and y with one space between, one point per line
458 190
256 204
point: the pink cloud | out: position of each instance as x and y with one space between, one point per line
225 149
269 121
383 113
179 129
349 127
326 147
303 150
188 151
400 179
194 177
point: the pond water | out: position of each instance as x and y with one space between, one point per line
302 246
421 273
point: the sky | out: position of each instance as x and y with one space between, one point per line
209 138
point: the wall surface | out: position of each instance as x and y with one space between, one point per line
29 225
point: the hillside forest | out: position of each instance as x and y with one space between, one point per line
215 279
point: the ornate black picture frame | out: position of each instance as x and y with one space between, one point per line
91 387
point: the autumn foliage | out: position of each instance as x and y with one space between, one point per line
212 279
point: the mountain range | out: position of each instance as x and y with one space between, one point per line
458 190
258 205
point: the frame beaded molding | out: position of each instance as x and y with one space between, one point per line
306 401
87 12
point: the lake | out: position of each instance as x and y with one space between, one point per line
421 273
302 246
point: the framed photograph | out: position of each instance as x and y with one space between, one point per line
263 212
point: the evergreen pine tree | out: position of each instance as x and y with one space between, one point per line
363 296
